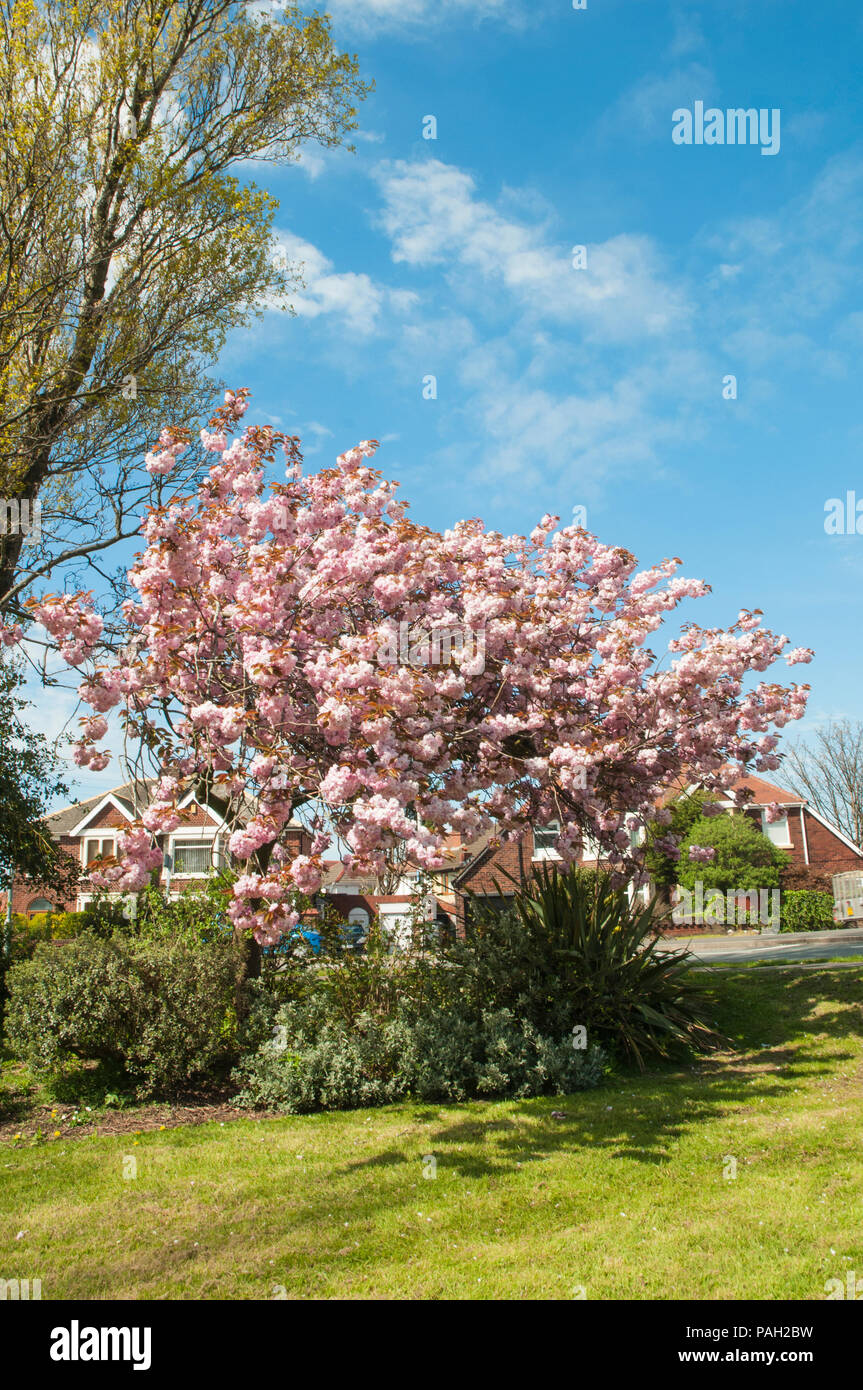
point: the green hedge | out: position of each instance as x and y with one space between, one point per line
159 1011
806 910
317 1061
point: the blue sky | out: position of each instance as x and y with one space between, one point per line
601 386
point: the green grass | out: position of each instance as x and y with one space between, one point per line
625 1197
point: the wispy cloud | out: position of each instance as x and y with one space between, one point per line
643 111
353 297
434 216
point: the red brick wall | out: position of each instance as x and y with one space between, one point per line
827 853
299 841
23 894
491 875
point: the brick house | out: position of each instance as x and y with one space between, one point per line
815 849
88 830
359 900
489 866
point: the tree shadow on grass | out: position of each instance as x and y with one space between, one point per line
779 1026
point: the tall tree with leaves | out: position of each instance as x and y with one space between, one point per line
30 777
729 852
129 247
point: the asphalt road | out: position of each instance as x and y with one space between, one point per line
805 946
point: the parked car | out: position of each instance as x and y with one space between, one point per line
350 937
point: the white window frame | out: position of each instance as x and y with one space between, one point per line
196 837
541 852
772 828
100 841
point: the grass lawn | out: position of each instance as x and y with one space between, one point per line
625 1197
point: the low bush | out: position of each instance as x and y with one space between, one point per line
160 1011
533 1000
805 910
317 1061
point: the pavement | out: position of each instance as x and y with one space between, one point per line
775 947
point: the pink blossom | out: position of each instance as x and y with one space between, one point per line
251 656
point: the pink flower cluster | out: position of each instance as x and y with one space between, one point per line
258 618
162 460
71 621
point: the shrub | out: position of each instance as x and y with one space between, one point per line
102 917
744 858
24 935
198 915
160 1010
803 910
493 1014
588 957
318 1062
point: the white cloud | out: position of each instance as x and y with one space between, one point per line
688 35
608 423
433 216
795 276
356 299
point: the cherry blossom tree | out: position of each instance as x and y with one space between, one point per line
259 667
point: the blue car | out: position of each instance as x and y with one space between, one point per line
353 938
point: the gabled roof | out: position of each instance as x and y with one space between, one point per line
475 852
131 798
64 821
120 803
764 792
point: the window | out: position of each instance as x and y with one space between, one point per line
98 849
777 830
544 839
193 857
39 905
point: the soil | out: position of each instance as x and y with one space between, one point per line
24 1118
